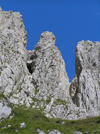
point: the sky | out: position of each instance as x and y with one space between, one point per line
69 20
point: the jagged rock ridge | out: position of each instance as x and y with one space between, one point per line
38 78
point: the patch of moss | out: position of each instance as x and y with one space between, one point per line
99 84
34 99
20 88
36 91
11 93
5 66
9 27
2 96
13 51
48 100
61 102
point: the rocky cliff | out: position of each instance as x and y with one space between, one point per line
38 78
86 84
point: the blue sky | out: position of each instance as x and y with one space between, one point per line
70 21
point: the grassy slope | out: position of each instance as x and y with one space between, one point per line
34 119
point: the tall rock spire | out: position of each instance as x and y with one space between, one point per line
48 69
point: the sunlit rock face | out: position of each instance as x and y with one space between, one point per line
25 78
48 69
49 76
15 79
87 92
38 78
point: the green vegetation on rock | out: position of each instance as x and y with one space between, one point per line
35 119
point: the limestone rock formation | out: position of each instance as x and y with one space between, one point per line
25 78
15 79
87 81
50 61
38 78
48 74
48 69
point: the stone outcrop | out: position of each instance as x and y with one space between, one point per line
38 78
87 80
24 77
48 69
15 79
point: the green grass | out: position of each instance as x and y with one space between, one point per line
61 102
35 119
36 91
99 83
2 96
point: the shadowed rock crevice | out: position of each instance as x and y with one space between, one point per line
29 67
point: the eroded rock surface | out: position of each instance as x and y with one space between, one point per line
50 80
38 78
49 76
87 89
48 69
25 78
15 78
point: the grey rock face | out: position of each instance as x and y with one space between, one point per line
15 79
48 69
48 74
38 78
87 89
35 77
